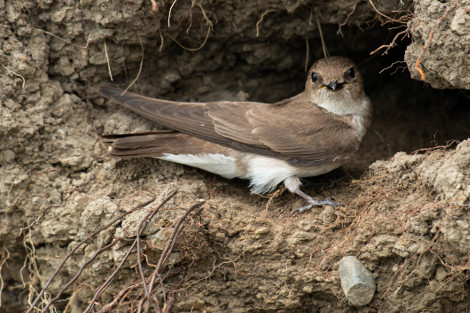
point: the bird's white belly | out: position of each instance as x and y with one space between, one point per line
264 173
216 163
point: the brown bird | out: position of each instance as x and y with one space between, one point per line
309 134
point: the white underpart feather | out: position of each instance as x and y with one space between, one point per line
341 103
361 123
292 183
216 163
266 173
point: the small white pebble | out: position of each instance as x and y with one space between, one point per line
356 280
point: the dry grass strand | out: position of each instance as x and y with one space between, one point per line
192 49
261 19
16 74
107 61
140 66
4 256
66 41
326 54
169 12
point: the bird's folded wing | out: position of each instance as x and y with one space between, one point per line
306 134
302 134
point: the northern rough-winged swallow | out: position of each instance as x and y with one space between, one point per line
309 134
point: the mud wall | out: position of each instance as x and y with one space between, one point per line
405 216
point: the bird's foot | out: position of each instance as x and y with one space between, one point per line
313 202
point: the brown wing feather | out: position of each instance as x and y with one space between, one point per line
278 130
193 118
319 139
188 118
229 120
283 128
155 144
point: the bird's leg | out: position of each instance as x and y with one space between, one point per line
293 185
312 202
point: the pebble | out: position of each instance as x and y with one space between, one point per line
357 281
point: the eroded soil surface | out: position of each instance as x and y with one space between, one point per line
405 196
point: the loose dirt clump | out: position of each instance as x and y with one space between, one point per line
441 43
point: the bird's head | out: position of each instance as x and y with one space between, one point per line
334 81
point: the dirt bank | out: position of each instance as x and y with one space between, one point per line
406 194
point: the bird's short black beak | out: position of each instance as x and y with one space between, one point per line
335 85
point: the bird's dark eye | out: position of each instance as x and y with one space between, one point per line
314 77
352 72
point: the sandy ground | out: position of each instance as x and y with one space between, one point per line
405 195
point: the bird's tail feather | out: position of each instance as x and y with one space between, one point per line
155 144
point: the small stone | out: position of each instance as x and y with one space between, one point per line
7 156
441 273
55 196
328 215
427 266
460 21
357 281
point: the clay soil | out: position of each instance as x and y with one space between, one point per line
405 195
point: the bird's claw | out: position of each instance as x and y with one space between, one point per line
302 209
329 201
313 202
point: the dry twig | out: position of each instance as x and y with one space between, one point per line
4 256
403 19
107 61
117 298
16 74
378 12
67 42
279 191
142 226
140 66
387 47
441 147
147 299
340 32
38 297
109 280
261 19
392 65
179 226
79 272
326 54
192 49
169 12
43 211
